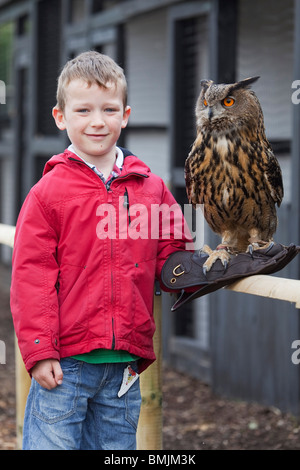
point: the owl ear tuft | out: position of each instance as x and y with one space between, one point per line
206 83
246 83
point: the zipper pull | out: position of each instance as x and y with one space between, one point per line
126 204
109 196
126 200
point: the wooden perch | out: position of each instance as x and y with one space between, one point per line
269 286
7 234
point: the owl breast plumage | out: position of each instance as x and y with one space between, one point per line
231 168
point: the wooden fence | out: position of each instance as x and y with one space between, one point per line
149 436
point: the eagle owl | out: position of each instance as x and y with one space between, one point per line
232 170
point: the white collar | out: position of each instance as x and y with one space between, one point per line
119 157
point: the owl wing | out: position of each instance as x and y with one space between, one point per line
273 177
189 180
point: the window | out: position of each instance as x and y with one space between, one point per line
48 50
6 45
97 6
77 10
23 25
100 5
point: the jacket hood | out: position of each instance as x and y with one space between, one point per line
132 164
55 160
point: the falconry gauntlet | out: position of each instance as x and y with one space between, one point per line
182 272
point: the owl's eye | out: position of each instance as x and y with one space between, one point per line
205 102
228 102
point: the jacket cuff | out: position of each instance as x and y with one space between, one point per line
31 360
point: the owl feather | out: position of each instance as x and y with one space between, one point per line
232 169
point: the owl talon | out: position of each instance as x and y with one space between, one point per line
250 250
259 245
270 245
219 254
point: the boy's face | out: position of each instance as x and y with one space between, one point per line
93 117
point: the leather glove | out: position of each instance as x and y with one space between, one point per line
183 270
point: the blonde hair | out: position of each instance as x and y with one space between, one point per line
92 67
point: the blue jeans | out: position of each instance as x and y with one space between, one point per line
84 412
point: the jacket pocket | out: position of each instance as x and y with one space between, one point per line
73 298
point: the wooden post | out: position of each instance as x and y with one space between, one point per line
7 234
149 434
23 382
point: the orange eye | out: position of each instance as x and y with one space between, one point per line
205 102
228 102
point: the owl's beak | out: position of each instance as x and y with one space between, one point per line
210 112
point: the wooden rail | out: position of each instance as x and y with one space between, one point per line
7 234
279 288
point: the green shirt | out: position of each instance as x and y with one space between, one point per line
101 356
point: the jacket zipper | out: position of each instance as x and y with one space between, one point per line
109 200
112 300
126 204
113 334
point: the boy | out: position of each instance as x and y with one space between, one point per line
88 247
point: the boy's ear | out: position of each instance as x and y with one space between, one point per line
58 116
126 116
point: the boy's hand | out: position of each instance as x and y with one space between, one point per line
47 373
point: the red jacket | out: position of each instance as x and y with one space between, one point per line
85 260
